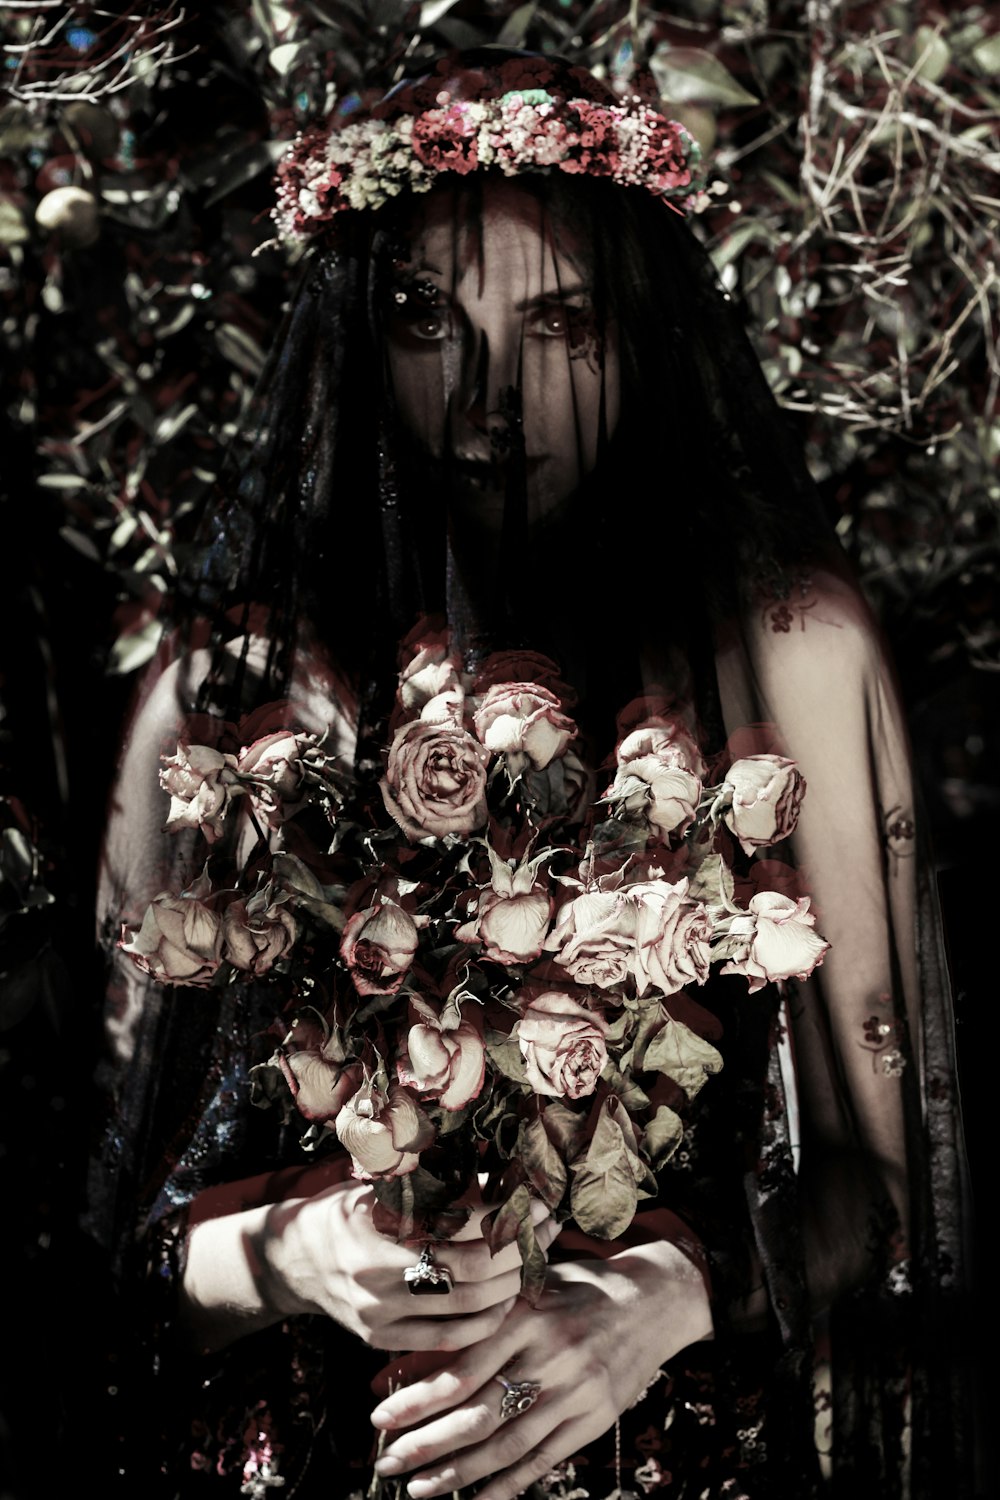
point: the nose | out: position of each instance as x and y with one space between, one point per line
488 401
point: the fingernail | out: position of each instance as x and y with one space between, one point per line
418 1487
380 1417
388 1465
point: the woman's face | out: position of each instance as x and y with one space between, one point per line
480 312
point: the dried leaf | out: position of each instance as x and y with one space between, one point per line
689 74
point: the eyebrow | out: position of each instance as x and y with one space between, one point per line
557 294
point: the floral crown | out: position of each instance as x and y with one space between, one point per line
531 124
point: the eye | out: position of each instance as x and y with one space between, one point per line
559 320
416 313
428 325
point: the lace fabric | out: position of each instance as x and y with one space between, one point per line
686 558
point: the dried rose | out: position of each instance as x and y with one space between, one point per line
444 1056
778 940
673 934
767 791
257 933
384 1133
594 938
563 1046
273 769
525 723
657 779
512 915
180 939
378 945
202 783
430 672
435 780
313 1066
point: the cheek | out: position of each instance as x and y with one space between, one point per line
417 382
563 398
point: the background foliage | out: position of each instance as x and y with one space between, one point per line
852 208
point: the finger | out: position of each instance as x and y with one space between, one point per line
443 1334
561 1444
525 1442
455 1382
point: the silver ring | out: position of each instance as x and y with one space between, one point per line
519 1396
427 1277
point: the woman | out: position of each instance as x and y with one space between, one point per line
510 394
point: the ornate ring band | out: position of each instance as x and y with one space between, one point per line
519 1396
427 1277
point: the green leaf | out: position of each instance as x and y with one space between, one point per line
986 56
565 1127
515 27
691 75
505 1055
241 350
662 1136
541 1160
604 1195
510 1222
683 1055
625 1088
712 882
412 1203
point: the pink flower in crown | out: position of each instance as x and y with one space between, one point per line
447 139
665 153
444 1056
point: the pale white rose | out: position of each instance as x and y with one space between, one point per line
378 945
180 939
767 791
257 933
444 1056
273 770
594 938
673 937
313 1066
563 1046
384 1133
657 779
512 914
202 783
525 723
431 672
435 781
778 940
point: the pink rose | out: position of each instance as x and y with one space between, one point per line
778 940
673 937
202 783
180 939
377 946
594 938
257 933
767 791
384 1133
430 672
512 915
563 1046
313 1066
656 779
274 769
525 722
435 780
444 1056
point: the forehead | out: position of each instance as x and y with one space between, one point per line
502 234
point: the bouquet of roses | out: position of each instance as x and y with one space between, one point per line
482 962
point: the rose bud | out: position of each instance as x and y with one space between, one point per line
563 1046
444 1056
378 945
201 783
435 781
779 941
673 937
431 673
767 791
525 723
384 1134
274 768
512 916
657 780
313 1066
179 941
257 933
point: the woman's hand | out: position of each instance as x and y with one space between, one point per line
318 1251
596 1338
